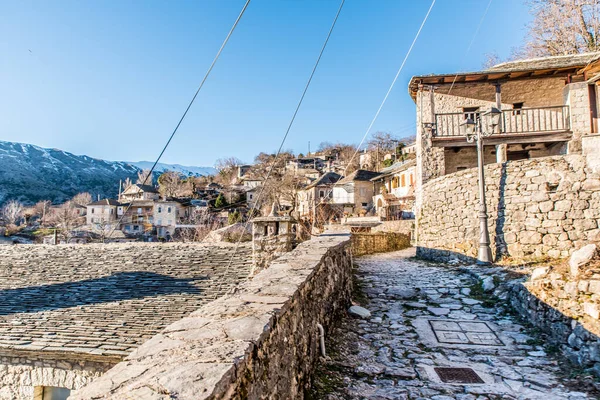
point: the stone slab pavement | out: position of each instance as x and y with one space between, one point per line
429 317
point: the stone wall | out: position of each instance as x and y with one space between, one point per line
382 242
567 310
259 342
540 207
21 374
405 226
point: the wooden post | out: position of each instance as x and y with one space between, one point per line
501 156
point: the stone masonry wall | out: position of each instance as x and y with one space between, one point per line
31 370
567 310
540 207
381 242
259 342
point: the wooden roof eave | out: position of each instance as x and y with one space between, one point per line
488 76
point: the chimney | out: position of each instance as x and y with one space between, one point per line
272 236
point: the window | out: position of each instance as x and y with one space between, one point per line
461 168
136 227
139 210
169 209
159 209
111 211
471 112
403 180
50 393
159 222
170 222
321 194
517 108
250 196
365 204
394 182
92 210
412 181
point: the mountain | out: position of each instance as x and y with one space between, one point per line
30 173
182 169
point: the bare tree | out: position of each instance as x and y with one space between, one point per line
103 229
227 168
82 199
42 208
66 218
562 27
144 177
169 183
12 212
491 59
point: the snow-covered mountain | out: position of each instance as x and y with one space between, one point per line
30 173
182 169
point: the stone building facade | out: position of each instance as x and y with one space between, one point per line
547 105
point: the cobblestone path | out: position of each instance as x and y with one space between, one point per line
426 318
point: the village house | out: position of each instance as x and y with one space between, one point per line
318 192
139 192
546 106
354 193
102 212
168 215
395 191
137 217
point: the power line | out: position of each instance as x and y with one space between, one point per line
472 40
291 123
149 175
386 95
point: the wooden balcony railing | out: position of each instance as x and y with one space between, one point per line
517 121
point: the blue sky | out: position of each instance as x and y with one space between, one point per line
110 79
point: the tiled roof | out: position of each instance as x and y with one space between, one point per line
105 202
105 300
328 178
359 175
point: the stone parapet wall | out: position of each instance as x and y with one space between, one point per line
259 342
380 242
567 311
540 207
405 226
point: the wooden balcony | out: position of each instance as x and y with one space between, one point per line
524 125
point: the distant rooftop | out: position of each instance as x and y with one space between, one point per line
103 301
105 202
359 175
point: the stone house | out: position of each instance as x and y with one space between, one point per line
252 195
139 192
355 192
102 212
547 105
395 191
137 217
168 215
318 192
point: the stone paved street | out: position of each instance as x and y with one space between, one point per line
427 317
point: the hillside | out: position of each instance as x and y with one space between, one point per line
30 173
182 169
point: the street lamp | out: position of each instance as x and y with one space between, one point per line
473 130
